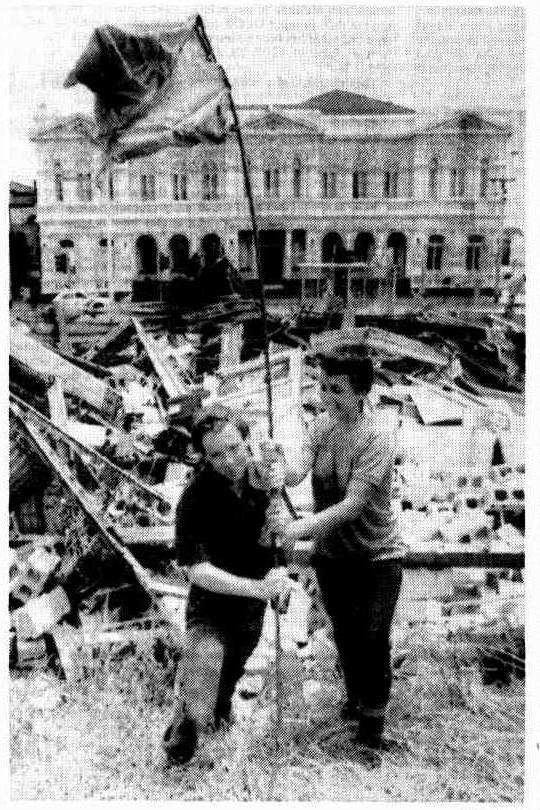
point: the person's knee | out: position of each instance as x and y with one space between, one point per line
200 670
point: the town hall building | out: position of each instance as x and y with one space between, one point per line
337 178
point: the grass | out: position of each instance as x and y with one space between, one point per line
99 737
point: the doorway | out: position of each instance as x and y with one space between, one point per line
272 243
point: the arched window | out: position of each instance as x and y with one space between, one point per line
364 247
475 245
58 182
457 182
210 182
298 247
484 177
433 178
179 183
328 184
84 186
148 186
297 178
271 183
359 183
435 252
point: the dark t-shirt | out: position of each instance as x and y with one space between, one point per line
215 525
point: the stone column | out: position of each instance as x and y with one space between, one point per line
456 254
194 188
417 260
287 257
163 185
232 248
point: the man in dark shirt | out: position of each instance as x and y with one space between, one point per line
220 520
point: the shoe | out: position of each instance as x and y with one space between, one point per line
369 757
385 745
180 741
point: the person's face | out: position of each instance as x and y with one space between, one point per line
226 452
338 396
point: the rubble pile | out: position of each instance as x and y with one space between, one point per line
91 542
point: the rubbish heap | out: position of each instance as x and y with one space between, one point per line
100 454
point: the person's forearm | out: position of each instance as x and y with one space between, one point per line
325 522
215 579
295 475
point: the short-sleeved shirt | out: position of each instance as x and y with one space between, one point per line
214 524
345 461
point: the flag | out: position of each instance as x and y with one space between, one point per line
154 90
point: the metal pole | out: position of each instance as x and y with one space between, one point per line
256 241
108 228
268 380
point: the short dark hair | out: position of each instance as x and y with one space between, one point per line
353 361
215 417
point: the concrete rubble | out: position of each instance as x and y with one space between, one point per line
91 549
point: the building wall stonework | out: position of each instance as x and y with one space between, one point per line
311 174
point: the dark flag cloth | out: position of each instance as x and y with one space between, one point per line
153 90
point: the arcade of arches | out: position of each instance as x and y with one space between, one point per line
414 258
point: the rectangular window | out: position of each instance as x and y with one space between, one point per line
61 263
111 186
474 250
390 188
355 185
148 187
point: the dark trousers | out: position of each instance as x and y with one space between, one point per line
212 662
360 598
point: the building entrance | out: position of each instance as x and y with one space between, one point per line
272 244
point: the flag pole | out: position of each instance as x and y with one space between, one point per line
256 242
109 229
268 376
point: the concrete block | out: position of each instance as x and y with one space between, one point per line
40 614
29 577
32 652
508 537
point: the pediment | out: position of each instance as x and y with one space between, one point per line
463 123
273 121
66 128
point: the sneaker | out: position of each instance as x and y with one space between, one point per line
180 741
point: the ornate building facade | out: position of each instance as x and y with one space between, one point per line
337 178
